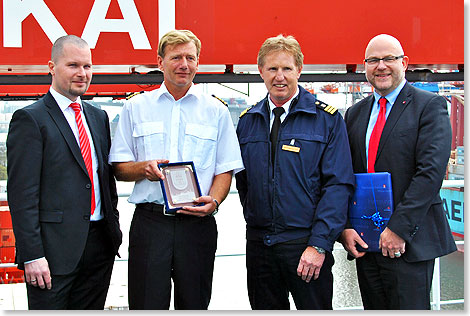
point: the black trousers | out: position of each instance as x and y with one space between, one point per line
162 248
87 286
392 283
272 274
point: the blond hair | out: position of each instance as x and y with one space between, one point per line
281 43
176 37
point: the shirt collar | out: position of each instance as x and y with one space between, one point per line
63 101
193 91
285 105
392 96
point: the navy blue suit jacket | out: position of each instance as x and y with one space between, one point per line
414 147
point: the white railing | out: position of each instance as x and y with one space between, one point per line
436 288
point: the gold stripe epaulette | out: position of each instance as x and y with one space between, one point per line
133 94
221 100
325 107
245 110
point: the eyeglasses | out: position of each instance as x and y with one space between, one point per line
389 60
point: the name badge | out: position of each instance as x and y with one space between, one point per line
291 148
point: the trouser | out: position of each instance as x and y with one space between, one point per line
393 283
272 274
164 248
87 286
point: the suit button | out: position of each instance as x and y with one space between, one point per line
87 217
88 186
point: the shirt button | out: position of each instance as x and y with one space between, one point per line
88 186
87 217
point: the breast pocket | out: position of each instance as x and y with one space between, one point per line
150 140
200 143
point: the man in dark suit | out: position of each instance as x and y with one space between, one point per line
414 147
61 190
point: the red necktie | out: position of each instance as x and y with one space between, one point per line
85 149
375 136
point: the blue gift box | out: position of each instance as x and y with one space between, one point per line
371 207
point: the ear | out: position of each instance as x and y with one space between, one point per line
260 69
299 72
160 62
405 61
51 66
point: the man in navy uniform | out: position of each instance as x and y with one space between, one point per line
295 187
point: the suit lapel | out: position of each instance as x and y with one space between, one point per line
364 122
58 117
401 103
93 125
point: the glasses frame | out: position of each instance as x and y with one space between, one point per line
377 60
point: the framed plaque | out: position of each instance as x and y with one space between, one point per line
180 186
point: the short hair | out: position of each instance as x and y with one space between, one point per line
176 37
58 47
281 43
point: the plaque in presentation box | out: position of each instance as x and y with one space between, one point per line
371 207
180 186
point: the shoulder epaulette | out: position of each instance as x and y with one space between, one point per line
245 110
133 94
325 107
221 100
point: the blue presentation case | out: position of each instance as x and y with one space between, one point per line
371 207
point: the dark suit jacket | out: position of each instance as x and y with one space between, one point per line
49 187
414 148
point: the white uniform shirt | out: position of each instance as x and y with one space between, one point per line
195 128
64 105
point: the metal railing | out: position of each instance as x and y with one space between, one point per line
436 302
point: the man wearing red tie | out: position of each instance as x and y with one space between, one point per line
404 131
61 190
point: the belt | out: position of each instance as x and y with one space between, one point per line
153 207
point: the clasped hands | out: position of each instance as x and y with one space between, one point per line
390 243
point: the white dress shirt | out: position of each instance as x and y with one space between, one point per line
197 127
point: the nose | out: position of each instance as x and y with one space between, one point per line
184 63
81 71
381 64
279 75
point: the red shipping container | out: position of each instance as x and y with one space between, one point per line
7 254
7 238
11 275
5 217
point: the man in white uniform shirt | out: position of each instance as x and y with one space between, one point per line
174 123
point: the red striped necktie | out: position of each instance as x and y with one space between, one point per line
85 149
375 136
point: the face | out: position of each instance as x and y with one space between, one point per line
71 72
179 66
385 78
280 75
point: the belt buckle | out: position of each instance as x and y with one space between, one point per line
167 214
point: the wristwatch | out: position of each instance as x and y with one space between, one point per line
319 250
216 207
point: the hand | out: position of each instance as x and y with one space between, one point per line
152 172
350 238
310 264
37 273
391 243
200 211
